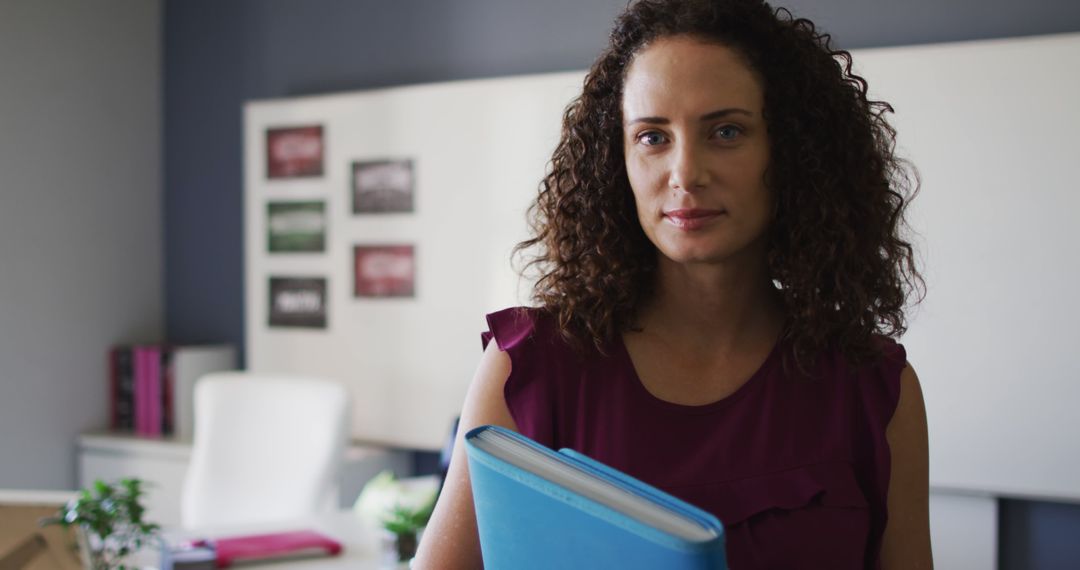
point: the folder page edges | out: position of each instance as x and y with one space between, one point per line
592 507
668 501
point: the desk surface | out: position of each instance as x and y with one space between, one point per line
360 544
35 497
127 442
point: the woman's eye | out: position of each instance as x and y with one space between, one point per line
651 138
727 132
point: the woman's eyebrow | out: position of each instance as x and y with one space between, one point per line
650 120
718 114
724 113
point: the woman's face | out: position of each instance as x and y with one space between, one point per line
696 150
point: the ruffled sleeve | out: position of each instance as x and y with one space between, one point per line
879 393
525 336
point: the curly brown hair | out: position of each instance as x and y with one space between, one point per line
835 246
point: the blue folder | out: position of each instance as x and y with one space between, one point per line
612 521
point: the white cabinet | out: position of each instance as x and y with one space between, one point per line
162 464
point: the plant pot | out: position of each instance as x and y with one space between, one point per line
398 549
93 554
90 549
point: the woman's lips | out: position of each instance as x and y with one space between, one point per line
692 219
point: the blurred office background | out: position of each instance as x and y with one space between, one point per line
121 168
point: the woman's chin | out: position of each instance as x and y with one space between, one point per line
714 255
693 257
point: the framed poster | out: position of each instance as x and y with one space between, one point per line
382 186
384 271
298 302
294 152
296 227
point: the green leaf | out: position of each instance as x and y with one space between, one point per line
110 514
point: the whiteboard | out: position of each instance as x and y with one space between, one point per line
992 127
479 150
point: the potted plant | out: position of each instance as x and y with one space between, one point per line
108 523
395 512
404 524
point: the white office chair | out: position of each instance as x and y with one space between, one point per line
266 449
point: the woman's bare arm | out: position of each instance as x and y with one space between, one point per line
451 541
906 544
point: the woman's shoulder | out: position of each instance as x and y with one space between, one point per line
876 379
889 352
516 327
887 366
872 377
538 367
885 357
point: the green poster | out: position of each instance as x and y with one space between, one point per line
296 227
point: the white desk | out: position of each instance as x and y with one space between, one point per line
359 544
34 497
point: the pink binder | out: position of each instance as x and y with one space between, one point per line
141 387
274 546
148 396
153 391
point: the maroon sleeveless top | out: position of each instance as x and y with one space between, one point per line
796 468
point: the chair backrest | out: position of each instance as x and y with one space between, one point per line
267 448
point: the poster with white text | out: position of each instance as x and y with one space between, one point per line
298 302
382 186
294 152
385 271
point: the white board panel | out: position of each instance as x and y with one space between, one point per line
479 150
964 531
992 127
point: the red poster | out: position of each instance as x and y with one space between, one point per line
385 271
294 152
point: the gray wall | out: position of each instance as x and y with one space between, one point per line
80 218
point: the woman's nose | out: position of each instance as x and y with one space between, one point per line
688 172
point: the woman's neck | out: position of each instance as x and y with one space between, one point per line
714 305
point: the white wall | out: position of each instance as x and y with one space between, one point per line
80 218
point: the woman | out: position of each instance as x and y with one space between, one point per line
721 268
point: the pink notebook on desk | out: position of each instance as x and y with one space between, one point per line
275 546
